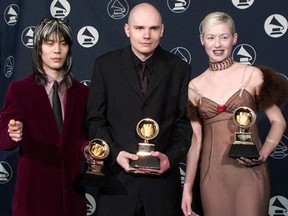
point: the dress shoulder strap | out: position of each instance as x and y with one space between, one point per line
246 77
193 88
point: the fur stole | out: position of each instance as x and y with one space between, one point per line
274 89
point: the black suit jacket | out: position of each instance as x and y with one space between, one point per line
116 105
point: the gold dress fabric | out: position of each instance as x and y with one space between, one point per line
227 188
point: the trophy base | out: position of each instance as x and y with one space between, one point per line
243 150
148 162
95 180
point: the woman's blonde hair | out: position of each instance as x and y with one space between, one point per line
215 18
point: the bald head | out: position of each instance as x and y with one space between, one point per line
145 10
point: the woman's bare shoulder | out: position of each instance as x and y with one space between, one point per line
252 74
197 81
194 88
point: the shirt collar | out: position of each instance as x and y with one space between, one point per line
50 82
149 62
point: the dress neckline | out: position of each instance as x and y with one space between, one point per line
230 98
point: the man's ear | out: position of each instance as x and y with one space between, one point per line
162 31
126 29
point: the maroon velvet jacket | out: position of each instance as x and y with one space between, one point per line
49 162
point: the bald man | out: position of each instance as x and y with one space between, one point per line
118 100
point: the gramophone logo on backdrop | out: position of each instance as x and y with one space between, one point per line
86 82
278 206
60 9
91 204
242 4
9 66
245 54
11 14
5 172
275 25
87 36
281 151
178 6
183 53
182 167
117 9
27 36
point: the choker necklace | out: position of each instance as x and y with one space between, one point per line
215 66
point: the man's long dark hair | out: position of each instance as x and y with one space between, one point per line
42 32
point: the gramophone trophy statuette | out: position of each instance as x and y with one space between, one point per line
147 129
243 145
97 150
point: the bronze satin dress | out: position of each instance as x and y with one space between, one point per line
227 188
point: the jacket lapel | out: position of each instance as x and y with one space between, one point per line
127 69
159 72
71 101
43 103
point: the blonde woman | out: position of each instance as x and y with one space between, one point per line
229 186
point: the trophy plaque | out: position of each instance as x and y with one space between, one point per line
243 145
147 129
98 150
